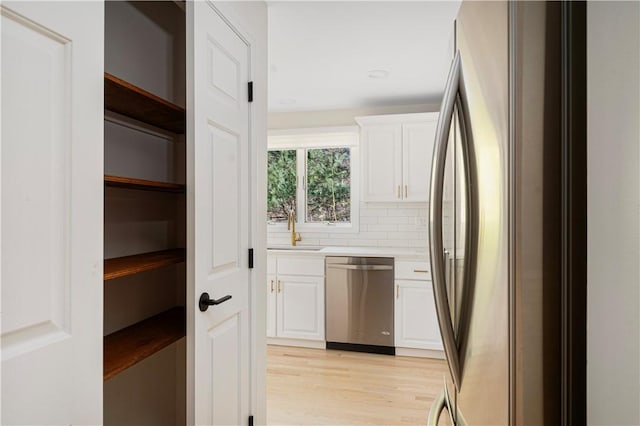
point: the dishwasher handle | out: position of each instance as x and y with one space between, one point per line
361 267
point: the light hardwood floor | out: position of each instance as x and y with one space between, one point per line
326 387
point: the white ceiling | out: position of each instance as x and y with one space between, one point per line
320 53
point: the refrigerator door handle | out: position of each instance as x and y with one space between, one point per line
436 246
442 401
439 404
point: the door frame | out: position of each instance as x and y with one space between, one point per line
250 24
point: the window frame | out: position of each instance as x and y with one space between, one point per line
317 138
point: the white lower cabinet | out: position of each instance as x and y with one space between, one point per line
295 304
300 307
295 298
416 323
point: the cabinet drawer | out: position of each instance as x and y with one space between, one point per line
301 265
271 264
413 270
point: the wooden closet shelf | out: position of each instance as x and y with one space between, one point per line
129 265
132 101
143 184
129 346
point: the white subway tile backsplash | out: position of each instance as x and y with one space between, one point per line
394 219
381 225
340 236
366 220
364 212
397 243
403 212
373 235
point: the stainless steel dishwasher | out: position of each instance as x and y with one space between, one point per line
359 304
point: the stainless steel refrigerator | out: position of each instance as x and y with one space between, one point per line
496 217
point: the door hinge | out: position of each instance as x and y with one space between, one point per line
250 258
250 420
250 91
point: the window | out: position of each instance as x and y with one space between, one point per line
313 174
281 190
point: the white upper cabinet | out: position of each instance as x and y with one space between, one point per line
397 152
417 149
382 162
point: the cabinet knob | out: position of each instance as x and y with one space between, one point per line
206 301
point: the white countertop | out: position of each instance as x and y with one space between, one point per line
413 253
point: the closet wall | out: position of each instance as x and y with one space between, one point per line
145 46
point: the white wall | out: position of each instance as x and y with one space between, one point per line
339 117
613 329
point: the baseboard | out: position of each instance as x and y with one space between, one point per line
314 344
320 344
420 353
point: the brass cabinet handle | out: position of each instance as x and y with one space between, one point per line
423 271
399 192
397 291
271 286
406 191
279 287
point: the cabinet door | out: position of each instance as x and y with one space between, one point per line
271 305
416 324
382 145
300 310
52 206
417 150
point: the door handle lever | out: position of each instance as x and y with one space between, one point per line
206 301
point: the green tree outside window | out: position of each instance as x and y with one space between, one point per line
328 185
326 188
281 190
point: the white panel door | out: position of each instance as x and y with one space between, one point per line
300 311
417 150
271 305
383 162
52 203
218 163
416 323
